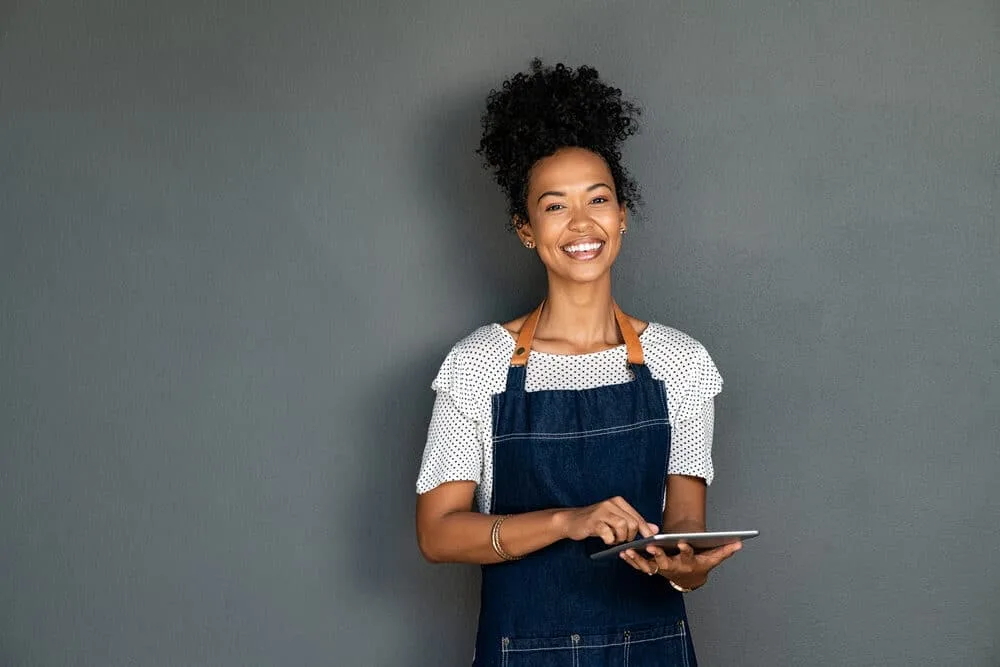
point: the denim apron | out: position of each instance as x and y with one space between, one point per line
567 448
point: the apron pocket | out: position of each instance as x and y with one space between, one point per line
665 645
660 646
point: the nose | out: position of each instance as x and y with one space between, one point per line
581 220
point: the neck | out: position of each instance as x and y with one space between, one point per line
579 313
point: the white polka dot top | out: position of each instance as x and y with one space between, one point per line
460 441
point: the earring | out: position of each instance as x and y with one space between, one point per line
529 244
622 230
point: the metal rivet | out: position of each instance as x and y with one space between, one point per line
520 350
506 641
575 638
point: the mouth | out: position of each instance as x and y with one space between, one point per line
583 250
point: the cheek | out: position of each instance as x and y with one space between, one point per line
547 230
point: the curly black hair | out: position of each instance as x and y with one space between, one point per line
535 114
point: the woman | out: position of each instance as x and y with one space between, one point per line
576 421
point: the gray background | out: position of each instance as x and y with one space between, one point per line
239 237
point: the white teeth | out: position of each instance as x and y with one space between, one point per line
582 247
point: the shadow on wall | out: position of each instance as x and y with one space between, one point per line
489 277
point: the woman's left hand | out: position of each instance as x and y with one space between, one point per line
687 569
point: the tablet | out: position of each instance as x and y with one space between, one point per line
668 542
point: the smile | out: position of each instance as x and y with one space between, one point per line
584 250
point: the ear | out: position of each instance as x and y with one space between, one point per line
622 216
523 229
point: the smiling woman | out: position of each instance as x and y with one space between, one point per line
576 220
574 425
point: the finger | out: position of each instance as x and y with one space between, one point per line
685 549
645 565
719 554
603 520
628 526
661 558
633 527
659 553
643 527
649 565
633 561
673 566
623 506
605 532
626 520
619 524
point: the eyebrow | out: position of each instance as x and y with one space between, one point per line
555 193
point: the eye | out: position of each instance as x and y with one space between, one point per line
600 199
554 207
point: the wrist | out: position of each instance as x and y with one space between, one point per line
559 523
684 584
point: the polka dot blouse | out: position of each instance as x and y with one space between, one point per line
460 441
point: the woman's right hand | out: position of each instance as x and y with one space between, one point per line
613 520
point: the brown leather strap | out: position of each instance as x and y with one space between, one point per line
524 339
632 344
522 348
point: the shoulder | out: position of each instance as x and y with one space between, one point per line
514 326
480 358
662 340
680 360
483 344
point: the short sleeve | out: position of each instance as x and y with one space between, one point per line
702 383
691 445
459 443
452 452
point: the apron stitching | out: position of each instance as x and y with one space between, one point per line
684 642
496 425
608 644
610 430
670 434
654 639
663 399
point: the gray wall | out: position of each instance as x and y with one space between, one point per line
239 237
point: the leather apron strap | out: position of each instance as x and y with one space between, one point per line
527 336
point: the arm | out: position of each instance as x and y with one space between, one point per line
685 507
449 531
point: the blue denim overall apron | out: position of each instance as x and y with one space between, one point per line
565 448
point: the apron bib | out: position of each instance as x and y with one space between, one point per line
572 448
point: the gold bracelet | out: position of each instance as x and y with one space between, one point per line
679 588
495 540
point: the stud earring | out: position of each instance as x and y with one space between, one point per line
622 230
529 244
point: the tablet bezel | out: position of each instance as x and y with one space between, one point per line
668 541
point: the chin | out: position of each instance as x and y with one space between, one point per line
583 275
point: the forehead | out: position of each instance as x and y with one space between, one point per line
567 169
